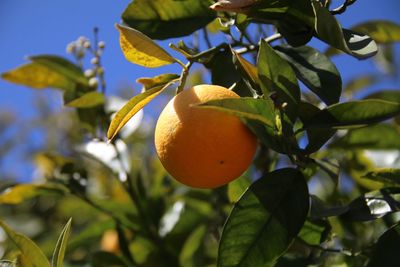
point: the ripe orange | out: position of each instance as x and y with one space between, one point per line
203 148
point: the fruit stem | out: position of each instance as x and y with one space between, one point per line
184 75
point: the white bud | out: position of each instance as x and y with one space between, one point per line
94 61
89 73
101 45
81 40
86 44
93 82
71 48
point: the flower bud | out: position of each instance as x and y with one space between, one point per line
101 45
93 82
94 61
89 73
86 44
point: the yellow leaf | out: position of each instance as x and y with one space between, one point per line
141 50
87 100
247 67
22 192
38 76
135 104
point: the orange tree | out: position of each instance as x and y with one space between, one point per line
313 196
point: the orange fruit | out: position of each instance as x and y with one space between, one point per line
203 148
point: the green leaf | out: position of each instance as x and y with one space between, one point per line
107 259
159 80
265 220
329 30
380 136
59 251
354 114
315 70
140 49
314 232
388 95
92 232
382 31
163 19
223 71
37 76
237 187
87 100
277 76
247 108
388 176
191 253
47 71
317 137
386 250
135 104
19 193
27 247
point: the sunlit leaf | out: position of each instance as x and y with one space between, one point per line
382 31
27 247
163 19
23 192
314 232
132 107
249 70
354 114
315 70
277 76
386 250
247 108
265 220
388 95
159 80
237 187
191 253
141 50
87 100
388 176
59 251
329 30
37 76
380 136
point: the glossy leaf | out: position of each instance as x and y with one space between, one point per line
380 136
247 108
168 18
388 176
354 114
370 206
88 100
386 250
315 70
329 30
265 220
237 187
277 76
317 137
140 49
27 247
61 246
382 31
159 80
135 104
22 192
190 255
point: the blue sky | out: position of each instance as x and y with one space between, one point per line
46 26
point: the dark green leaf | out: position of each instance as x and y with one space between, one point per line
59 251
380 136
329 30
315 70
265 220
27 247
388 176
247 108
354 114
277 76
91 232
386 250
168 18
23 192
223 72
382 31
107 259
317 137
